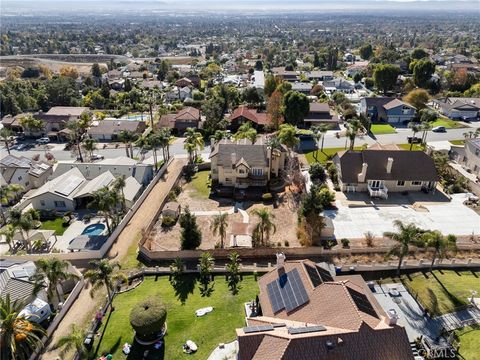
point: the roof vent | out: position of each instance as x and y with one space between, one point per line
329 345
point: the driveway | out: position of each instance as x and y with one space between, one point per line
448 217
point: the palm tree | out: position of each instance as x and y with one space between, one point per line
440 243
319 132
118 185
246 131
73 341
104 273
27 222
8 232
5 135
76 133
193 141
415 129
206 263
425 127
166 139
219 226
90 145
265 227
144 144
218 136
19 338
51 271
408 234
128 137
8 193
354 126
103 201
154 143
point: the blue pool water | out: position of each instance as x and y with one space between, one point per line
94 229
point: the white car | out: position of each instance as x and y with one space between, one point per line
43 140
96 157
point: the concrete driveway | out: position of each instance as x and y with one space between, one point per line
448 217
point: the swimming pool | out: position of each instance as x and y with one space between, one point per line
94 229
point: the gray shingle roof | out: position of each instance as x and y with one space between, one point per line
254 155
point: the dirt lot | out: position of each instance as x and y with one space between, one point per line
205 208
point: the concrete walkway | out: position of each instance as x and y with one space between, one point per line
83 310
213 212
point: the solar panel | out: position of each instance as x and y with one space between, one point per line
362 302
306 329
287 292
324 274
313 275
254 329
69 185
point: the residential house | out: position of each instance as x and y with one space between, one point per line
320 75
183 82
188 117
57 118
24 171
120 166
339 84
108 129
151 84
179 94
304 312
286 75
13 122
16 279
241 164
468 155
379 172
386 109
320 113
259 80
244 114
458 108
302 87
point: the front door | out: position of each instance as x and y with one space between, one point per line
375 184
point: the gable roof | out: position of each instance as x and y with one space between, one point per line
407 165
65 185
460 103
396 103
115 126
250 114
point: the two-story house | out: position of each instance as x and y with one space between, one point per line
243 114
379 172
188 117
57 117
387 109
241 164
458 108
468 155
23 171
320 113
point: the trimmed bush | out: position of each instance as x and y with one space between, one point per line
148 318
345 242
267 197
168 221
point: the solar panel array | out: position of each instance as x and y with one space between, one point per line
306 329
254 329
313 275
69 185
287 292
362 302
325 274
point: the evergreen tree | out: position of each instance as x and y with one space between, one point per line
191 237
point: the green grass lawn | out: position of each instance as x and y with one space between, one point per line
416 147
182 324
323 156
443 291
379 129
201 183
447 123
457 142
469 339
56 225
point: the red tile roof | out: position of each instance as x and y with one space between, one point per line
250 114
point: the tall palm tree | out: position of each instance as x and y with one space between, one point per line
265 227
425 127
26 223
76 134
219 226
104 202
8 193
193 141
218 136
246 131
8 231
154 143
51 271
5 135
319 132
440 243
119 185
415 129
128 137
104 273
73 341
19 338
353 126
166 139
144 144
408 234
90 145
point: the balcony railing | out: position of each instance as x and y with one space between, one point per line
378 192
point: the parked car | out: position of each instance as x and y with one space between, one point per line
439 129
22 147
414 140
43 140
96 157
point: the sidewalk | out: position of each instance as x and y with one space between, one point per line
83 310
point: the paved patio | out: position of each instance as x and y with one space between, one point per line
377 217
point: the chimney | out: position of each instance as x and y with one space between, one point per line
280 260
363 174
234 158
389 165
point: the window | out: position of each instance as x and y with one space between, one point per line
400 183
405 110
60 204
416 183
20 178
42 202
27 183
257 172
241 171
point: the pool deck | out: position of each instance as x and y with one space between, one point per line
75 229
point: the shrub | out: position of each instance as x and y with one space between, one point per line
287 244
317 173
267 197
191 237
147 318
345 242
171 196
168 221
369 238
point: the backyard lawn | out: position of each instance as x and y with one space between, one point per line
379 129
469 339
182 324
325 155
200 183
56 225
416 147
444 290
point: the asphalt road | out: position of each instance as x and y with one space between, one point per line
331 141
